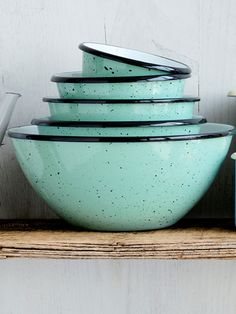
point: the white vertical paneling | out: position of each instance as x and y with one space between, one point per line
127 287
217 76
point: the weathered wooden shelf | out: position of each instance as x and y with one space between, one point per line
54 239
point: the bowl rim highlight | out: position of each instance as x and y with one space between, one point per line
120 101
46 121
18 134
80 77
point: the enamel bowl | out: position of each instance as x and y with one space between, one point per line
114 61
117 129
121 110
121 183
79 85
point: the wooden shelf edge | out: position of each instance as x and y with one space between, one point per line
191 239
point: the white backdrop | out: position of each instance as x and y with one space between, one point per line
39 38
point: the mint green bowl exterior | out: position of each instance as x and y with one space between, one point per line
80 85
97 65
142 111
154 130
120 186
135 90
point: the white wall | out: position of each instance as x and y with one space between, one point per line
117 287
39 38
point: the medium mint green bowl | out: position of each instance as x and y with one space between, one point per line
80 85
117 129
121 184
121 110
114 61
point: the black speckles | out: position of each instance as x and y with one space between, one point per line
106 68
58 173
111 191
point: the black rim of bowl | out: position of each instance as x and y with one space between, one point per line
116 124
179 68
120 101
126 139
66 78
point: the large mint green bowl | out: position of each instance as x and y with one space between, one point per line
121 184
117 129
80 85
114 61
121 110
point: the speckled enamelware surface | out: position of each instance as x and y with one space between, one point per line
95 64
143 110
113 61
79 85
105 184
154 128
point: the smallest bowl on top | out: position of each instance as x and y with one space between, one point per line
121 109
115 61
84 86
118 128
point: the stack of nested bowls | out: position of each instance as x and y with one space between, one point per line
122 149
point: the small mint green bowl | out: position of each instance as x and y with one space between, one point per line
114 61
121 183
121 110
80 85
117 129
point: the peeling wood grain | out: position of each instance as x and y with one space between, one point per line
180 242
